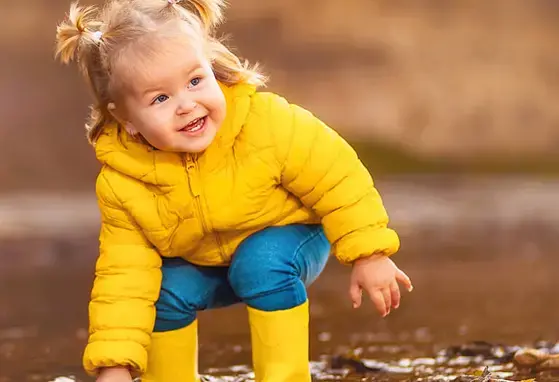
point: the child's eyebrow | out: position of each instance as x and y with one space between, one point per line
193 68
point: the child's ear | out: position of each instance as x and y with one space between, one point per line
130 129
111 107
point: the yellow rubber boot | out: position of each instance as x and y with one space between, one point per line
173 356
280 344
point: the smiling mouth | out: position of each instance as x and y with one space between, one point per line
195 125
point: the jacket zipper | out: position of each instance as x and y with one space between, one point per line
196 189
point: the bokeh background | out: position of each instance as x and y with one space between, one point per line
452 105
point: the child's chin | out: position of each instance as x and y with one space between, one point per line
197 147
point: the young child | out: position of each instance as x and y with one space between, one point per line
211 193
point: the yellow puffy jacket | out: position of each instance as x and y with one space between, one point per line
272 163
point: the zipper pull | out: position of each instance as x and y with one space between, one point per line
192 176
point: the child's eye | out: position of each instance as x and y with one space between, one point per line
160 99
194 82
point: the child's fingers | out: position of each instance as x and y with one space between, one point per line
404 279
387 300
377 297
395 294
355 294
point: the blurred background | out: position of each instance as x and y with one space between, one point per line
452 105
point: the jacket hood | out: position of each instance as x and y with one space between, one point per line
117 149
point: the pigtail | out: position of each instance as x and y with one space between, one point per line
79 38
209 12
76 34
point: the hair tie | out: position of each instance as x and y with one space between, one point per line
97 36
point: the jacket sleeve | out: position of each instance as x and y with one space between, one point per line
126 286
324 172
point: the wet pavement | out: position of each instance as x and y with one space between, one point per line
484 269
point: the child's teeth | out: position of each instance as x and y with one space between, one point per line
197 125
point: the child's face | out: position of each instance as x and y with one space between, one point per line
171 97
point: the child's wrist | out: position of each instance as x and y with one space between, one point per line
367 258
115 369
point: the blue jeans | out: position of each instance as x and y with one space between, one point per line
269 271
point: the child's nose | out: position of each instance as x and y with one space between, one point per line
186 107
186 104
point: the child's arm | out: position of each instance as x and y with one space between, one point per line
320 168
126 286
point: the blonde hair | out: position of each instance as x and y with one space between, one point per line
96 38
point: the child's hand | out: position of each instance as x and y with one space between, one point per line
114 374
379 276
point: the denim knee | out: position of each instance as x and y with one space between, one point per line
173 311
270 268
186 289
